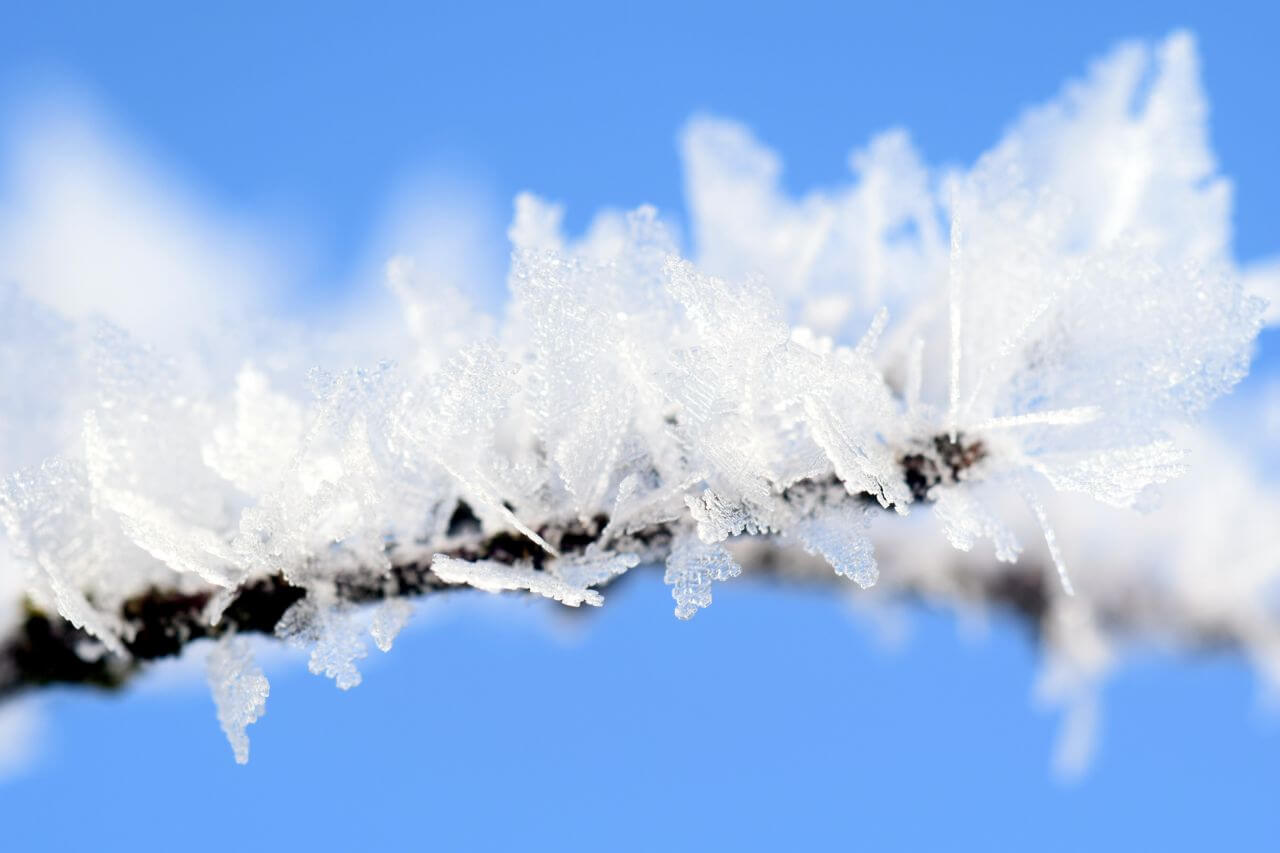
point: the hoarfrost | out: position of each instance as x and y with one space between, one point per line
718 520
592 567
48 516
492 576
1050 320
330 631
691 567
239 690
965 520
839 534
389 618
1116 477
254 449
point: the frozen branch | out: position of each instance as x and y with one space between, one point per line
46 650
924 364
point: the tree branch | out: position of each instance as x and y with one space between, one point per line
48 650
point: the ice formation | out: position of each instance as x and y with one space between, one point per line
239 690
492 576
969 345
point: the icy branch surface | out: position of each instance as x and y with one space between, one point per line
922 363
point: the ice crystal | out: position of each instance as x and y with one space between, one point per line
332 635
239 690
253 450
717 520
691 567
48 517
839 535
965 520
492 576
592 567
389 618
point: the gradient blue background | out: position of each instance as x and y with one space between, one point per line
771 721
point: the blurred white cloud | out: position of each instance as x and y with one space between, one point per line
91 225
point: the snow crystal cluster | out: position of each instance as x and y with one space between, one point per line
961 345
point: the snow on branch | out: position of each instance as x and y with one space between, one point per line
905 378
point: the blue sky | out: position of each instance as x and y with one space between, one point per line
774 718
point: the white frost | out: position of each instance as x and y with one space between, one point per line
492 576
389 619
1044 324
691 567
239 690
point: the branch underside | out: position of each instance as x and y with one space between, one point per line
48 650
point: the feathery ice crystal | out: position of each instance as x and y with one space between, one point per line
965 344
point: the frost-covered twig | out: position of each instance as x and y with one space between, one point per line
158 622
925 364
46 650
